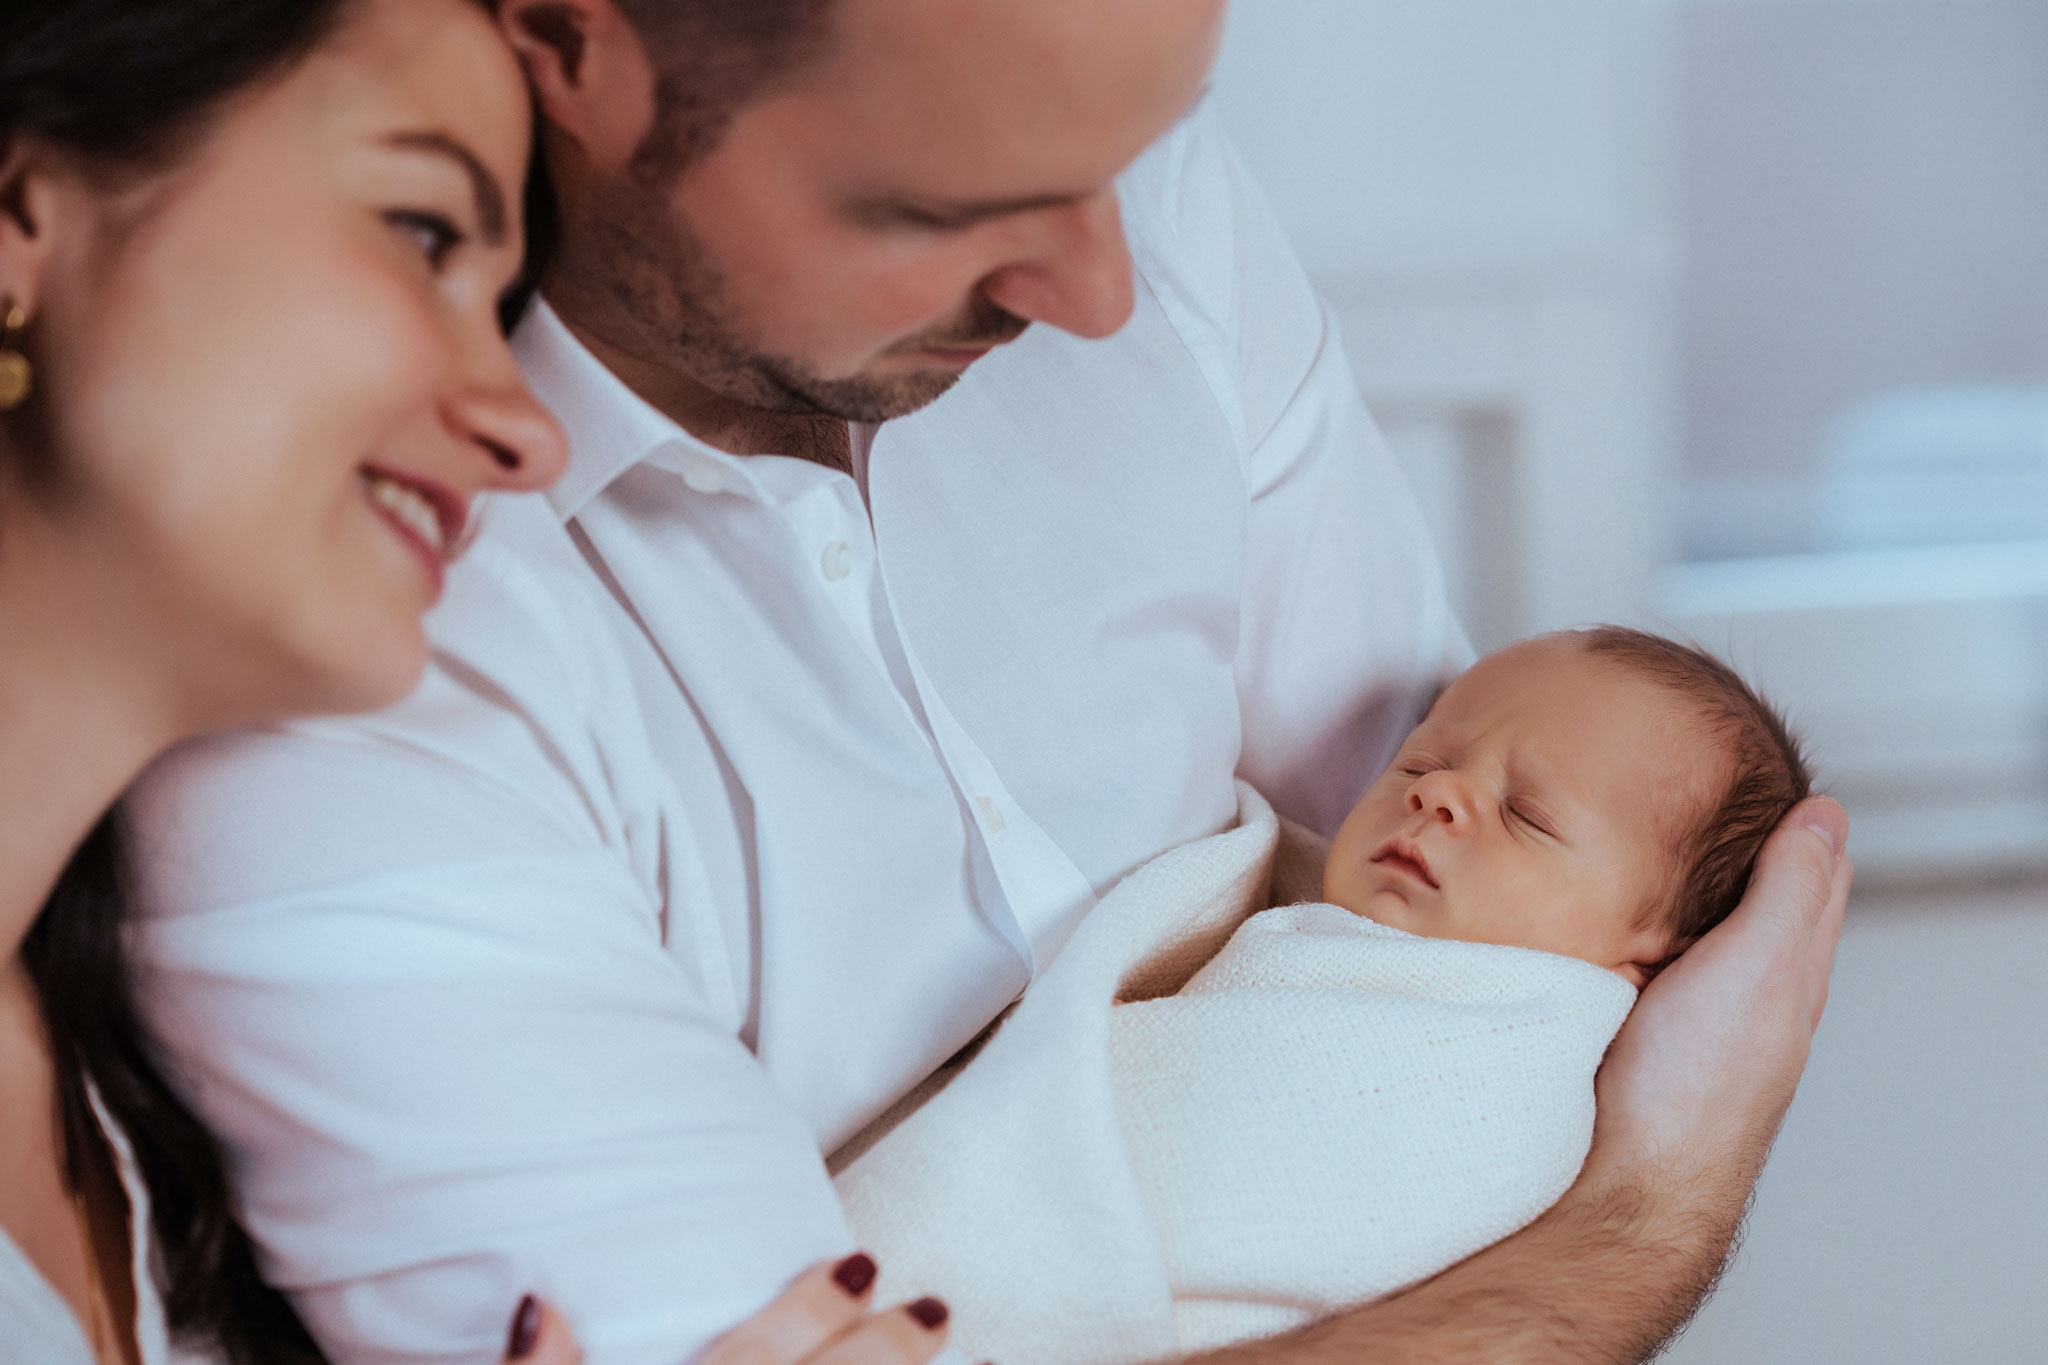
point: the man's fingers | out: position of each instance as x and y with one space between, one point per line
1829 934
1795 875
822 1304
1824 816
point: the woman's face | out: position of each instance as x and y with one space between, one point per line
271 374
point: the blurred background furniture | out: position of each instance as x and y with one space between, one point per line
1724 316
1730 318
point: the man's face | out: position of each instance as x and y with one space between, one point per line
938 181
1538 805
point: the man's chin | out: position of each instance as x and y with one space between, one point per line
875 399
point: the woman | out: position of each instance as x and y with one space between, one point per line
251 389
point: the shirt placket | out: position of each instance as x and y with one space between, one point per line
1039 894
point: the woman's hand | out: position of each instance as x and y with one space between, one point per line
822 1319
539 1337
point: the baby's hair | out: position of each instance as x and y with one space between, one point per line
1770 772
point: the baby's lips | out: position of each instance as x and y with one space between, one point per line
1409 859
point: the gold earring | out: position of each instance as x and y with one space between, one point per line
17 376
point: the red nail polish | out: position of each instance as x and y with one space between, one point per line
525 1329
930 1314
855 1273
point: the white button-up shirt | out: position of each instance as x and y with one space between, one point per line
741 793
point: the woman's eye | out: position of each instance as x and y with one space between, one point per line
436 236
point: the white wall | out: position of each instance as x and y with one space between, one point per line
1454 132
1864 206
1477 186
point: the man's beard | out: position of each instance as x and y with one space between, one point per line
660 278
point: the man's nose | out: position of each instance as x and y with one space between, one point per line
1079 277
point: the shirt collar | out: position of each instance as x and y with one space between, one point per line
610 428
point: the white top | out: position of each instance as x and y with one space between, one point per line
743 792
36 1324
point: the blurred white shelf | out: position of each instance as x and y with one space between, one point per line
1951 840
1860 578
1919 677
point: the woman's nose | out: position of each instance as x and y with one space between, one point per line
521 445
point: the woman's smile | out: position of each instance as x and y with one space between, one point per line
429 518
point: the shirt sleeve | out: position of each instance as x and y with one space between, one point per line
1346 631
427 1003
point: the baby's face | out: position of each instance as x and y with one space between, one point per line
1536 806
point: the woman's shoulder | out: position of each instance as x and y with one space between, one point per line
35 1322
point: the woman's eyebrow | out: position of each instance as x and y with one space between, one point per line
490 199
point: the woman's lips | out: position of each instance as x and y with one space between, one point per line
1406 858
426 515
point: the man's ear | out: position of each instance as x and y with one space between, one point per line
591 74
29 209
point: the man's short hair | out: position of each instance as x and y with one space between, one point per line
1769 772
711 57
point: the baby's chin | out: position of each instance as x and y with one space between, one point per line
1386 905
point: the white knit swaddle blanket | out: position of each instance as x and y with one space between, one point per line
1327 1111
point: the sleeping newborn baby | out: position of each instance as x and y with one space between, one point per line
1599 794
1209 1120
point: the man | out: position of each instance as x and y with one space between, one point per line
965 487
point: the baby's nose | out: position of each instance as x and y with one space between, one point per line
1441 796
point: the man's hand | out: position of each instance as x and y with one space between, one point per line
1690 1098
1700 1076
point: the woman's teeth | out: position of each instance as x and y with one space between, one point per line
411 508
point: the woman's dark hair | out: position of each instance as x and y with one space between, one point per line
127 86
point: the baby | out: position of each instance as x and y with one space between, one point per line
1209 1120
1601 794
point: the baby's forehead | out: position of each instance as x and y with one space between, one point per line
1554 677
1562 714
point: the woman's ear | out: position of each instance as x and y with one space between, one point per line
29 209
591 74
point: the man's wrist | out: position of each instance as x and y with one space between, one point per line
1606 1277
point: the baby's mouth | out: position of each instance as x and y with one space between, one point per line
1406 857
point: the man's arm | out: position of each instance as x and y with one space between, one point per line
1690 1099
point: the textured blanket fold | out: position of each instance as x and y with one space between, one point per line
1205 1123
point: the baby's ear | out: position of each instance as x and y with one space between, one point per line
1641 973
1635 973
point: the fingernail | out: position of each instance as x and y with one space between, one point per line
1832 827
525 1329
855 1273
930 1314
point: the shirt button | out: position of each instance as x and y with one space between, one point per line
837 561
704 476
991 814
